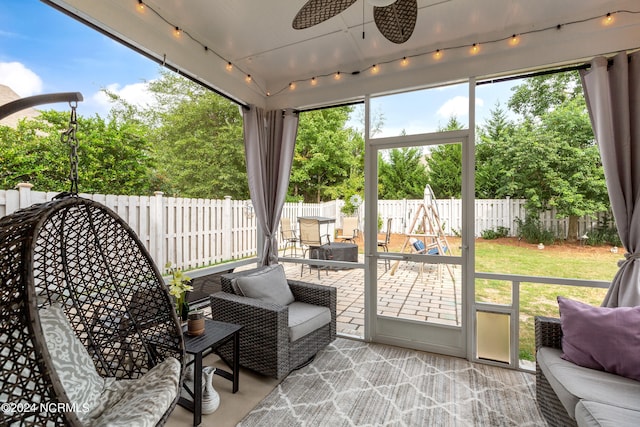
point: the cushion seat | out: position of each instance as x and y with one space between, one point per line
598 414
105 401
573 383
305 318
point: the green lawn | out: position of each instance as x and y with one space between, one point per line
537 299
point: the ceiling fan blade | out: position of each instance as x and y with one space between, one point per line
317 11
397 21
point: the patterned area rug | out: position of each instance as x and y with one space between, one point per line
352 383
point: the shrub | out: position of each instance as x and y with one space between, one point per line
532 231
491 234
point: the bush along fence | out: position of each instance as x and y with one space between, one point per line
194 233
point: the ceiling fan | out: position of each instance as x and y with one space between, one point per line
395 19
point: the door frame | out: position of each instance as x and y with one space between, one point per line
443 339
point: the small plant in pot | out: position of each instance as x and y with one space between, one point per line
179 285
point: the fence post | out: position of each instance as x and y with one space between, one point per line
24 194
156 232
227 227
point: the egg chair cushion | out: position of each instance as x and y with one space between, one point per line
71 361
141 402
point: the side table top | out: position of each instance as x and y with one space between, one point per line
214 332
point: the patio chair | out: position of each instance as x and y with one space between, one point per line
289 235
349 229
384 243
284 322
311 241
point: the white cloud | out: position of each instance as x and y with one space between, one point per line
135 94
457 106
22 80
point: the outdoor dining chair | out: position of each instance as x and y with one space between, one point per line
384 243
312 242
349 229
289 235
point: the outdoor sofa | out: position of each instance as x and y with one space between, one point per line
568 394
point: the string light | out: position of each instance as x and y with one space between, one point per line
474 49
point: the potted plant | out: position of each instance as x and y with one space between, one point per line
178 287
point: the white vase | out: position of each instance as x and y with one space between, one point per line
210 397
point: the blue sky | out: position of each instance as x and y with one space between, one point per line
43 51
51 52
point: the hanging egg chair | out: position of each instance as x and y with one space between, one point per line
88 331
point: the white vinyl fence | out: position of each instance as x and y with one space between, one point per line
193 233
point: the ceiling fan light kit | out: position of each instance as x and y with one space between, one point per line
395 19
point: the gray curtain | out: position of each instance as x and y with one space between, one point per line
269 142
612 91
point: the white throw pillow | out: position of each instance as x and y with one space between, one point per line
71 360
269 284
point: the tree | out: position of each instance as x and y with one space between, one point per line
113 157
493 137
444 166
403 175
550 158
198 139
328 156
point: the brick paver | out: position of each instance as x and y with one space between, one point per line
409 293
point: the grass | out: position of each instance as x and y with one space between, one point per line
566 261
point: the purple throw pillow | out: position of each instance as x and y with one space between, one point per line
602 338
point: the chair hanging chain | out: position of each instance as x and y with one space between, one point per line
69 137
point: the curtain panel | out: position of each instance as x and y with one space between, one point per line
269 142
612 92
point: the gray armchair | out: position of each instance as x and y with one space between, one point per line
269 341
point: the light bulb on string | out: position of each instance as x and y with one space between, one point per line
177 32
140 6
229 66
404 62
374 69
514 40
474 49
314 81
337 75
608 19
437 55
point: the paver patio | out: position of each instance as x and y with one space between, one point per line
409 293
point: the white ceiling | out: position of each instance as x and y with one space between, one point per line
256 36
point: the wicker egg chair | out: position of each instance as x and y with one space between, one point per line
84 312
79 254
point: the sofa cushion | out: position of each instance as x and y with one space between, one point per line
305 318
601 338
572 383
590 414
71 360
268 284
